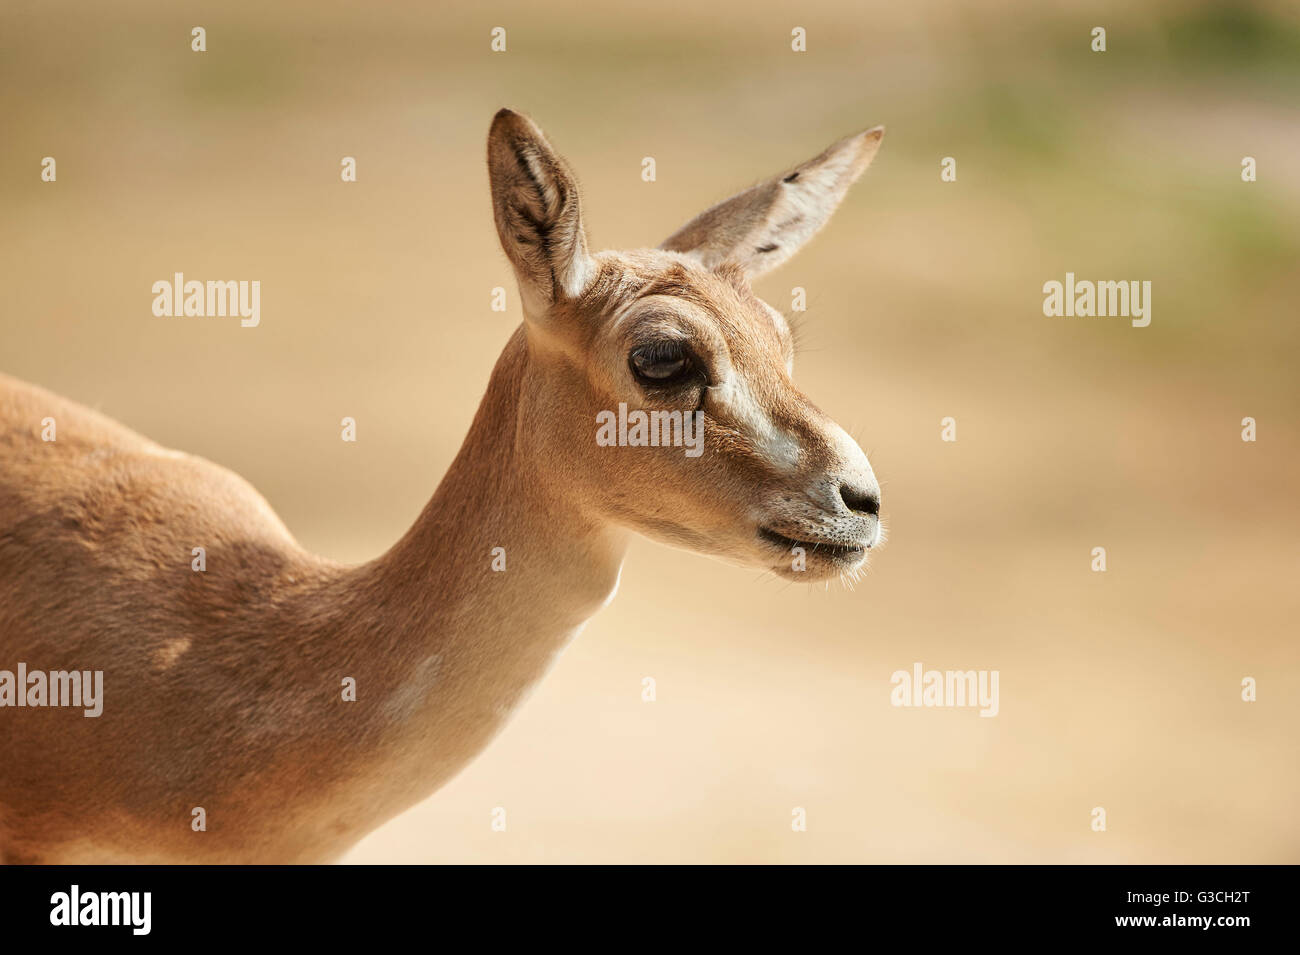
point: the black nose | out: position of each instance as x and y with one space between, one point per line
861 502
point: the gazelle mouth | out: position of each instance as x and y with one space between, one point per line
822 548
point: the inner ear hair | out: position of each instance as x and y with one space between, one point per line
537 208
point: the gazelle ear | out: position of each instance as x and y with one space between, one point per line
760 228
537 211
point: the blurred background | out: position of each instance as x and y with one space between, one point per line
1118 689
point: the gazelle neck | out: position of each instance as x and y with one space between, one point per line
560 565
465 642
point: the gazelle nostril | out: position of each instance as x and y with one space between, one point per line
861 502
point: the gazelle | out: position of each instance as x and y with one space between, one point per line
222 688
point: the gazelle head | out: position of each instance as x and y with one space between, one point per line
614 337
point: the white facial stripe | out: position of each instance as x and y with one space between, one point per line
776 446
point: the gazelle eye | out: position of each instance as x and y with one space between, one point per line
661 362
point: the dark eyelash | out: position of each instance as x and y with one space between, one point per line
671 349
665 350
